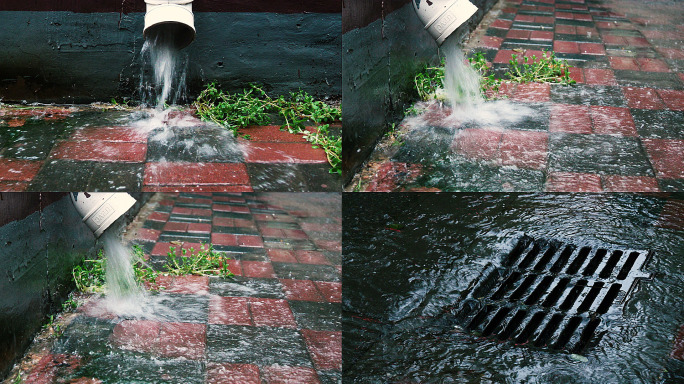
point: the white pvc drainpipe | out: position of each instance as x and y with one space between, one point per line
101 209
172 17
442 17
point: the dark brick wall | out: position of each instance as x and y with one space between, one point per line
126 6
83 51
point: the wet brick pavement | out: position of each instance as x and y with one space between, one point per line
276 321
619 129
58 149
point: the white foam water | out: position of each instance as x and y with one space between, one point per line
462 90
123 294
169 67
461 80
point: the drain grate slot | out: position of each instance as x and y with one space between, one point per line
587 334
496 320
552 294
608 300
523 288
515 254
612 262
530 328
513 325
579 260
595 262
563 259
531 256
480 317
567 332
549 330
575 292
539 291
629 264
546 258
506 286
590 297
556 293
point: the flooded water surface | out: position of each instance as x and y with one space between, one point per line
411 260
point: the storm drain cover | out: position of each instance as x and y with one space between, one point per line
552 294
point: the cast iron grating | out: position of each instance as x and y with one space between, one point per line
552 294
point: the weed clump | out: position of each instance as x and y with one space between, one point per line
520 69
253 106
89 277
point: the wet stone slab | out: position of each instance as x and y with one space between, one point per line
279 224
463 175
156 225
239 286
334 257
183 308
85 336
242 253
292 177
537 121
288 244
610 96
330 377
584 61
659 124
235 344
193 144
318 316
645 79
577 38
189 218
622 51
184 236
671 185
138 369
425 144
234 230
32 141
232 215
603 154
306 272
71 175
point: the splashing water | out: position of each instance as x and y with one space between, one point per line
123 294
461 81
169 67
462 91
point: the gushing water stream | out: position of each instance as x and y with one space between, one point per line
123 293
462 91
461 81
169 68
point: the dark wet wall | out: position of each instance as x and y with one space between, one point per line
384 45
83 51
42 237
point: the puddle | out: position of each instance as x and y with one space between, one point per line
410 259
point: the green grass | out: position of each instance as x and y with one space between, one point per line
546 69
55 329
90 275
429 80
202 262
253 106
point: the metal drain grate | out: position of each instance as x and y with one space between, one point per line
552 294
